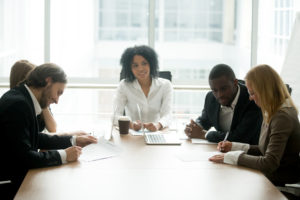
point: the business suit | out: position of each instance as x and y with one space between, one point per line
246 121
20 138
277 154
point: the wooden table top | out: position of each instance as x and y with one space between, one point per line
147 172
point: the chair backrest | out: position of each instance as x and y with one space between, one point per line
166 75
161 74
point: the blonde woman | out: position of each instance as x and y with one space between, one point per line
277 154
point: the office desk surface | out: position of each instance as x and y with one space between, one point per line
147 172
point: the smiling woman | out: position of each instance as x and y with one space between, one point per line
142 86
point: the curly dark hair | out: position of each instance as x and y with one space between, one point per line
127 57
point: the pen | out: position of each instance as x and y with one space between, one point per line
225 138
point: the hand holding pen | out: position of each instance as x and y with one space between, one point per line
224 146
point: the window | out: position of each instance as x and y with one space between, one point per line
87 39
21 33
276 20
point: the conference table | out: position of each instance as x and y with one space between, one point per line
144 171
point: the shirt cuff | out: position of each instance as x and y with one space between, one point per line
207 132
232 157
73 140
240 146
63 156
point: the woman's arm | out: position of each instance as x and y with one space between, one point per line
49 120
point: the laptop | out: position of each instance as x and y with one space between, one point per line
158 137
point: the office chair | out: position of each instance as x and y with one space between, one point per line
165 74
292 191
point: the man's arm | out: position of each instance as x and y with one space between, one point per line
22 141
47 141
203 120
247 129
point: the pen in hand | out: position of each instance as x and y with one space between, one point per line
223 143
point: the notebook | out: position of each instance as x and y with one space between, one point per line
158 137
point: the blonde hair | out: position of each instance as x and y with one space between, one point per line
269 88
19 72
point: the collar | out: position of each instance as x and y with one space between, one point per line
286 104
235 100
36 104
154 83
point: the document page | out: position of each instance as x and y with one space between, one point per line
103 149
201 141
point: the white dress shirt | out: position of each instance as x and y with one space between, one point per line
156 107
226 113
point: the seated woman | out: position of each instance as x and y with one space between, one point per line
19 71
277 153
142 86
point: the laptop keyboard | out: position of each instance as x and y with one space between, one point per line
155 138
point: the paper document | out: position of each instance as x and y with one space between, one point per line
103 149
193 155
201 141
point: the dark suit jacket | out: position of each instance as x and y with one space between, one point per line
246 121
20 138
41 122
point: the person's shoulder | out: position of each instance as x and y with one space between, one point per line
287 113
244 97
163 81
13 100
244 92
123 83
210 95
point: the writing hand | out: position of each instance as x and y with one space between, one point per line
224 146
73 153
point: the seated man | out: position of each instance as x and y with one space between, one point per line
227 108
20 139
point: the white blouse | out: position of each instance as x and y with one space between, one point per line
157 107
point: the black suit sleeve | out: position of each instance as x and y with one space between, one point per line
204 120
246 131
22 139
53 141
